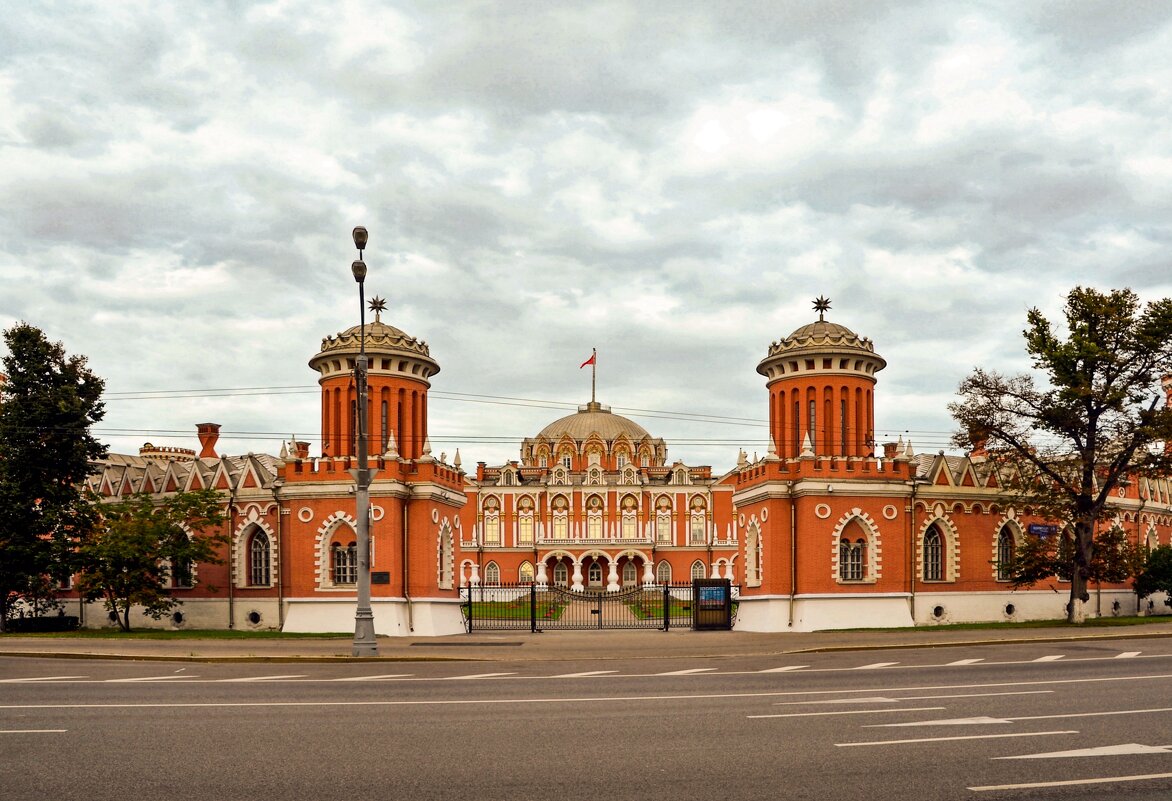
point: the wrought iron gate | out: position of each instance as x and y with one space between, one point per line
536 608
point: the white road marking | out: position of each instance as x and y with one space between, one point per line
687 672
1105 750
964 662
882 699
1073 782
1128 654
263 678
375 678
785 669
1051 658
876 666
583 674
1063 716
849 712
965 737
33 731
477 676
171 677
563 699
39 678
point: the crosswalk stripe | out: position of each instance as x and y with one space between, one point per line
783 669
876 665
583 674
1128 654
1051 658
480 676
965 662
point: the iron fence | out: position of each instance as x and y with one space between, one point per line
540 608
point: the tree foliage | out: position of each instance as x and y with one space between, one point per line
142 545
1156 575
47 404
1067 443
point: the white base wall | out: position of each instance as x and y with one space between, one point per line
829 612
429 617
250 614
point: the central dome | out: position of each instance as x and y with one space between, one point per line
593 418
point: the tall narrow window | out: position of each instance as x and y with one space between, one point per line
698 570
525 573
850 559
813 417
492 574
259 571
663 572
344 559
797 428
630 575
933 554
594 574
385 430
1005 551
842 425
561 574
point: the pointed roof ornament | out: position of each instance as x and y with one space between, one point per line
456 459
284 450
909 453
426 457
822 305
771 454
742 458
378 306
392 446
807 447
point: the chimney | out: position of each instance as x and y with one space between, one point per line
302 449
890 450
208 434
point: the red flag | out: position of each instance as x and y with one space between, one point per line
591 360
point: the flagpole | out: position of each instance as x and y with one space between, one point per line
593 372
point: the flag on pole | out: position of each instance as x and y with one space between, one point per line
591 360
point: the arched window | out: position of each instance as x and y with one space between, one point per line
1005 550
752 556
698 570
594 574
492 574
850 559
561 575
492 522
663 520
663 572
594 518
525 573
259 560
630 575
344 563
525 522
933 554
699 527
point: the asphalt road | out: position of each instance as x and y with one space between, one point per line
989 722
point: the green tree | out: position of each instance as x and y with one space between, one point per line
1156 575
48 402
1067 445
143 546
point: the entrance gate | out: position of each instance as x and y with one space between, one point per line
529 606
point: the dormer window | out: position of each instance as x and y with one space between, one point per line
566 462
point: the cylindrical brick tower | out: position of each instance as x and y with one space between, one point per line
397 379
821 381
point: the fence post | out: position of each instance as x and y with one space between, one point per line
466 591
532 608
666 607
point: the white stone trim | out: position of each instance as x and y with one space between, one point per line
874 563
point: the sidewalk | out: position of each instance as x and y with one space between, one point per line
560 645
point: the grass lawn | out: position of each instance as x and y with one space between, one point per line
515 610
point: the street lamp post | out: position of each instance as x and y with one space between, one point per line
364 642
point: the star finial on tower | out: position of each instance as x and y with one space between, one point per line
377 305
821 305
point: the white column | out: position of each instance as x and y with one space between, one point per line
475 580
612 576
716 570
648 574
577 575
542 579
728 570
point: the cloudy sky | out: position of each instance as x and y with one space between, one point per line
669 182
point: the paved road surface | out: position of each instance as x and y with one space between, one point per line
997 721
